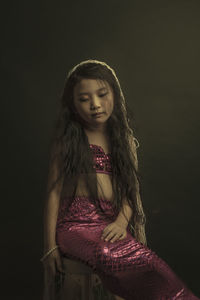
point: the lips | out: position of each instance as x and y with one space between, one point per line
97 114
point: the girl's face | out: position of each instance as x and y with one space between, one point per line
92 96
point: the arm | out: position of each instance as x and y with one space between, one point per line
51 207
125 214
50 219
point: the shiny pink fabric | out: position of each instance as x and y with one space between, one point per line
102 161
127 268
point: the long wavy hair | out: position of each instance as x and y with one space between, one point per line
70 154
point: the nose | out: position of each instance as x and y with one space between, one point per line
95 103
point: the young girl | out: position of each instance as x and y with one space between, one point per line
93 210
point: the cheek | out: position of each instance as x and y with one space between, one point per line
81 109
110 105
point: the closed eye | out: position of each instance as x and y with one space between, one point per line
102 95
84 99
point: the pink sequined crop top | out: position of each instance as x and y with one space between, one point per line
102 161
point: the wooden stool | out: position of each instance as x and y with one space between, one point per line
81 282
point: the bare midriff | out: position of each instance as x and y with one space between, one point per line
104 185
103 169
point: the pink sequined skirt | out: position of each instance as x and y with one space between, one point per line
127 268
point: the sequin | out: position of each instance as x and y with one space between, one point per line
126 267
102 161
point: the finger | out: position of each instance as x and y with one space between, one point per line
51 284
51 269
110 236
105 232
116 237
49 278
59 266
123 236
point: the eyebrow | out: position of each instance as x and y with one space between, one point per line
104 88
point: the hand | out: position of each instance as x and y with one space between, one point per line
113 232
53 274
53 264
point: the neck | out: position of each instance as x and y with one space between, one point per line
96 130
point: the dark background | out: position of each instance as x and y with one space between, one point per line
154 48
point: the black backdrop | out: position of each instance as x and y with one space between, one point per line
154 48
